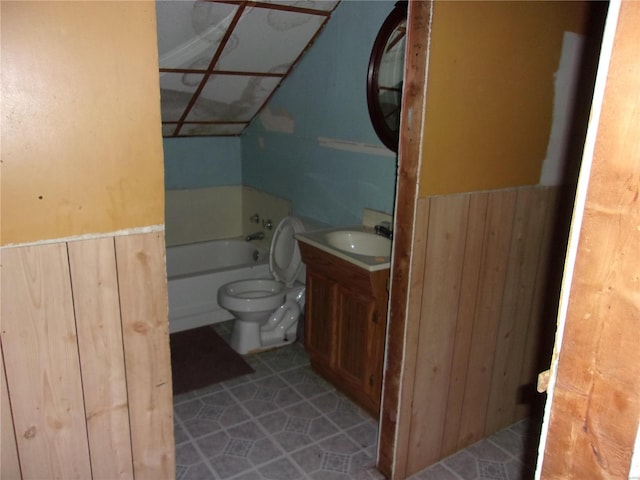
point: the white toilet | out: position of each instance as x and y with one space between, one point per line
266 311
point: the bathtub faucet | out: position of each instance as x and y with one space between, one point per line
255 236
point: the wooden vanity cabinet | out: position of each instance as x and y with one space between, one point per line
345 323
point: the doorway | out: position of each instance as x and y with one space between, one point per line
417 399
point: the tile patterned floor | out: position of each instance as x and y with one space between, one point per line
284 422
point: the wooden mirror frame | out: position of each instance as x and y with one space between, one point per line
387 135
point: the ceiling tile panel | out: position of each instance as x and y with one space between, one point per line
232 98
212 129
176 91
266 40
220 60
324 5
168 129
189 33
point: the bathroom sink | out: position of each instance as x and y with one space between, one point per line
359 242
356 244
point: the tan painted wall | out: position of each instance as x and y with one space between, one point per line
81 142
490 92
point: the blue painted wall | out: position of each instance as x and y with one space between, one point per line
325 96
199 162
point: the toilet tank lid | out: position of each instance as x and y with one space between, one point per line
284 255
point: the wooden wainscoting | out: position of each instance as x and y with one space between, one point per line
479 283
85 346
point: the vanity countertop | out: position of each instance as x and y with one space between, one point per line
319 239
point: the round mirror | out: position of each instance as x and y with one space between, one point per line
385 76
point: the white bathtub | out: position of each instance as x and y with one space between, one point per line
196 271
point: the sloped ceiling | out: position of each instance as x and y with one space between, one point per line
220 61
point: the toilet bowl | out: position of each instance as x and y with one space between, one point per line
266 311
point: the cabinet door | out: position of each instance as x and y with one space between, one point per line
357 343
320 318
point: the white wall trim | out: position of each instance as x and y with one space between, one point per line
89 236
350 146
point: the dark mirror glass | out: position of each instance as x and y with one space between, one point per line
385 76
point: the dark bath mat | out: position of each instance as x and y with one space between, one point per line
200 357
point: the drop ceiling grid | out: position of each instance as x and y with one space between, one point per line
216 78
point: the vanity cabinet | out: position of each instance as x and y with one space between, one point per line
345 323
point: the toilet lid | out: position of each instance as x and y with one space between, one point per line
284 256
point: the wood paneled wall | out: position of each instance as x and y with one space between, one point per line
480 280
86 387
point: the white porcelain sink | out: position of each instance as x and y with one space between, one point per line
360 243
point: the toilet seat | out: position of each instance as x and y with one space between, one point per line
266 311
239 295
285 260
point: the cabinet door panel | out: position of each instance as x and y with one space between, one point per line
320 317
345 325
354 337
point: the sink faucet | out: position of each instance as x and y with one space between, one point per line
384 230
255 236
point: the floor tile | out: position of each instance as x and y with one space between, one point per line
284 422
509 441
212 445
297 426
189 409
307 383
339 409
200 471
179 434
287 358
281 469
365 434
436 472
487 450
227 466
187 455
516 470
265 395
464 464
